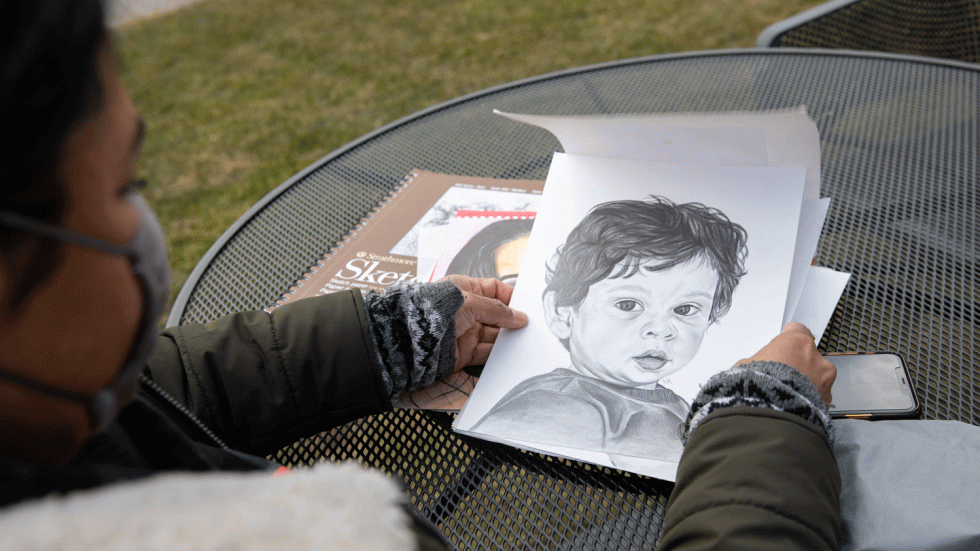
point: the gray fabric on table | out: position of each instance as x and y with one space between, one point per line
909 485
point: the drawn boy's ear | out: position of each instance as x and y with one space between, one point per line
558 318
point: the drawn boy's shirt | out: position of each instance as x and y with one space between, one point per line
563 408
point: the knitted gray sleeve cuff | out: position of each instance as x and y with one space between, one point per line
770 385
414 332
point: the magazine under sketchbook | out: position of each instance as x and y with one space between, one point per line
403 236
384 248
477 243
585 382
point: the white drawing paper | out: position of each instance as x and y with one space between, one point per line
764 201
437 219
485 244
769 138
819 298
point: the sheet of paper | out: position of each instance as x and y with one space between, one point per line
819 298
427 239
431 241
812 217
456 198
448 394
764 201
484 244
773 138
664 470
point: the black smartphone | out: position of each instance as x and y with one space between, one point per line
872 385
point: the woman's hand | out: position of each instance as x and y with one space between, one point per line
796 347
483 313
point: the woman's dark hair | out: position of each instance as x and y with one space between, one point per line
49 83
478 258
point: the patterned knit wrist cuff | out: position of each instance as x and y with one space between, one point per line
441 301
770 385
414 332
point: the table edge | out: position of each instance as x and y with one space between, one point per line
180 303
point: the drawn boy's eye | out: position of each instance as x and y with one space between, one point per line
628 305
687 310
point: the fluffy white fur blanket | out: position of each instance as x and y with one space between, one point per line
330 506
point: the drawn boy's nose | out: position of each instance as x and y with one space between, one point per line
659 327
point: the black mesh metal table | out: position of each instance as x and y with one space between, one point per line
900 140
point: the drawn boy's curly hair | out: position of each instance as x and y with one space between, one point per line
617 237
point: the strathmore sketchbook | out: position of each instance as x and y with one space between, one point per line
408 228
384 247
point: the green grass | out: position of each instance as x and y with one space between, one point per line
239 95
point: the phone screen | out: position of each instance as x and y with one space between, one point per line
868 383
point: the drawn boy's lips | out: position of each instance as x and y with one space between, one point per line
651 361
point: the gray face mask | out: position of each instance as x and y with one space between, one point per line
147 255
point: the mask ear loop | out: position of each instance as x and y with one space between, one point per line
99 407
28 224
102 406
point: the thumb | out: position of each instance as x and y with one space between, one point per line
487 311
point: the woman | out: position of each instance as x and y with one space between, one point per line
92 397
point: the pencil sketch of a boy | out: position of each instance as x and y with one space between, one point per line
630 295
